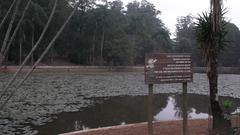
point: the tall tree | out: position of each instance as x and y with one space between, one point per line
186 41
230 57
146 30
211 34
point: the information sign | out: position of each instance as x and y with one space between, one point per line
168 68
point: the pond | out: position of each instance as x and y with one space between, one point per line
51 103
129 109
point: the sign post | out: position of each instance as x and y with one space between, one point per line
167 68
150 109
185 115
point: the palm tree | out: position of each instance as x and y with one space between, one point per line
211 35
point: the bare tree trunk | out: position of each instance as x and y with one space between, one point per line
20 52
16 30
51 56
8 33
1 60
93 45
7 14
41 57
102 44
32 56
30 53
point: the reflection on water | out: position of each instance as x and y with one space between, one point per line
128 109
172 113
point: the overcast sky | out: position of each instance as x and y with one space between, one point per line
171 9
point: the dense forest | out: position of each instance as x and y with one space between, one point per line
105 33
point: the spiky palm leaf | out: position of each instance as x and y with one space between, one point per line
208 39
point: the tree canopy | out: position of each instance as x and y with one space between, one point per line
106 33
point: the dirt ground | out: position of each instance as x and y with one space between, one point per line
195 127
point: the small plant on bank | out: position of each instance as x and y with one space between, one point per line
227 105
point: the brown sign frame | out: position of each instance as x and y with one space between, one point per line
168 68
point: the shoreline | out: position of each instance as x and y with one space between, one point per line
171 127
221 70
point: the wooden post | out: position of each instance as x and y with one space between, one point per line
150 109
156 67
185 115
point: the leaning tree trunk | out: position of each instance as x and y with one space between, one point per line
39 59
11 81
7 14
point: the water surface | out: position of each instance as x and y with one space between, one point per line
129 109
51 103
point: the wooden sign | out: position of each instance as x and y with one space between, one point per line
168 68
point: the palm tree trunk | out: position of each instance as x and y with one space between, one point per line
220 124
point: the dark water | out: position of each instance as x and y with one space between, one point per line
129 109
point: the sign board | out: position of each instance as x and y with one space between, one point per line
168 68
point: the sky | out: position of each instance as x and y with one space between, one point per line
171 9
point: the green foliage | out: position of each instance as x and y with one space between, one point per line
188 35
227 104
209 40
128 34
186 40
230 56
146 31
122 35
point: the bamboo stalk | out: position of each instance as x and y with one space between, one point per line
16 29
7 14
10 26
30 53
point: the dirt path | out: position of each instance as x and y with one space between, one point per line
195 127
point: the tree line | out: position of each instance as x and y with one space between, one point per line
105 33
